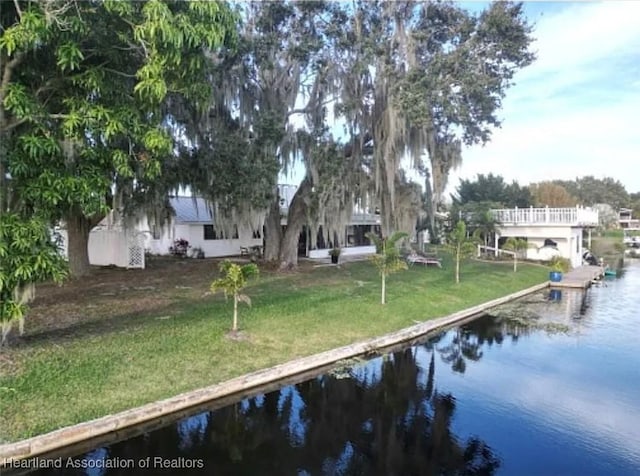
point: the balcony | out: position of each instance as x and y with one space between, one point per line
575 216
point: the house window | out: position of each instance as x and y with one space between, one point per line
210 233
256 234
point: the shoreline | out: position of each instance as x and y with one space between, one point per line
232 388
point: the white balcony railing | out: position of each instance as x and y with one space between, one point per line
578 216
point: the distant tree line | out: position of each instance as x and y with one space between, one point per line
493 190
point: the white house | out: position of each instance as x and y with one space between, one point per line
193 222
562 226
626 220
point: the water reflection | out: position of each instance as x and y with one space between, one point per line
385 417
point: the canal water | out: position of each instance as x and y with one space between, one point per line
547 386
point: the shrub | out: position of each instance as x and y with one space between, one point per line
179 248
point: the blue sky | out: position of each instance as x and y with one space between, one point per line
574 111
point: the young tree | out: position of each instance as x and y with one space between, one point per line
516 245
460 245
233 281
484 224
387 258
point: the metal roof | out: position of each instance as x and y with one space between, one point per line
190 210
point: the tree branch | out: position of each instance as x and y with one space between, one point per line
18 10
8 72
13 125
307 110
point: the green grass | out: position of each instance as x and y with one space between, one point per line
144 358
610 234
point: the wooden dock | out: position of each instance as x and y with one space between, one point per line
580 277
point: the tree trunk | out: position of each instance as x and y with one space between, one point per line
387 224
78 228
457 267
273 232
384 288
4 185
235 314
5 327
295 222
515 263
430 208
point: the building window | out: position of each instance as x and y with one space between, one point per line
210 233
256 234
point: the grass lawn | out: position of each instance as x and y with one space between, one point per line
99 347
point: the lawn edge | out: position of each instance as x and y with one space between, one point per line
73 434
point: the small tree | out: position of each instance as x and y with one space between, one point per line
516 245
233 281
27 256
387 258
460 245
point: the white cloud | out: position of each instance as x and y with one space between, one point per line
574 111
584 33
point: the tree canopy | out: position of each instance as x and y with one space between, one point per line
112 105
590 190
492 188
87 97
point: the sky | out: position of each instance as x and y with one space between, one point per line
574 111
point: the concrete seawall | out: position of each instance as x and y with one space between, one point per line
70 435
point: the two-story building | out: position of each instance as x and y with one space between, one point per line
626 220
561 228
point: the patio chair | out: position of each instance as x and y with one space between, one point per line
415 258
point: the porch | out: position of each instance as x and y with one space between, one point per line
574 216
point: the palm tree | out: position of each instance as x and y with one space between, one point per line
486 224
233 281
516 245
460 245
387 258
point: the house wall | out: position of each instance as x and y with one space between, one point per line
160 245
194 234
213 248
569 241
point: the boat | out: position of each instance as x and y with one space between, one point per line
631 238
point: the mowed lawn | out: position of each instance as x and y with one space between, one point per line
160 351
